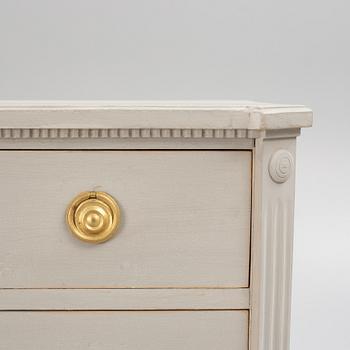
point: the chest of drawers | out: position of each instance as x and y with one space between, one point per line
147 225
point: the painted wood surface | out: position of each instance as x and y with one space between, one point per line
185 219
124 299
185 239
132 330
228 115
68 143
272 243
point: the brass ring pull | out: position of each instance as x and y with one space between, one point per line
93 216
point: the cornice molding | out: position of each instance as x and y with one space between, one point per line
226 115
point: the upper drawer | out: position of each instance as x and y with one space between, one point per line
185 219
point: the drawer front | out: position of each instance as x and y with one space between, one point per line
185 219
205 330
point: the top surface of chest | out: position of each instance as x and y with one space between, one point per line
145 125
162 115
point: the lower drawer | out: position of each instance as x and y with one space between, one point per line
124 330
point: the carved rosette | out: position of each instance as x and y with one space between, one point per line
281 166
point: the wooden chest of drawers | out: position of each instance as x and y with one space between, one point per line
147 225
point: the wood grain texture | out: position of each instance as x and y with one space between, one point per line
227 115
185 219
272 242
137 330
124 299
176 276
126 143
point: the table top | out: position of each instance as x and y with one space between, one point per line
223 114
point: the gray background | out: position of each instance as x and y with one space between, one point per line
274 51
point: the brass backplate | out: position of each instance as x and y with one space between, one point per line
93 216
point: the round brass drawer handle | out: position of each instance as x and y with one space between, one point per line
93 216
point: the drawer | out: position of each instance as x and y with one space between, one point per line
107 330
185 222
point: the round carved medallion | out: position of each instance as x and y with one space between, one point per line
281 166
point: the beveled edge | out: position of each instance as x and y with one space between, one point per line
157 115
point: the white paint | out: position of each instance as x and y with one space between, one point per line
124 299
185 238
130 330
185 219
272 242
137 114
127 143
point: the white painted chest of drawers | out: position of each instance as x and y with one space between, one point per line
200 225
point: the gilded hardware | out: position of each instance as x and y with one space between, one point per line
93 216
